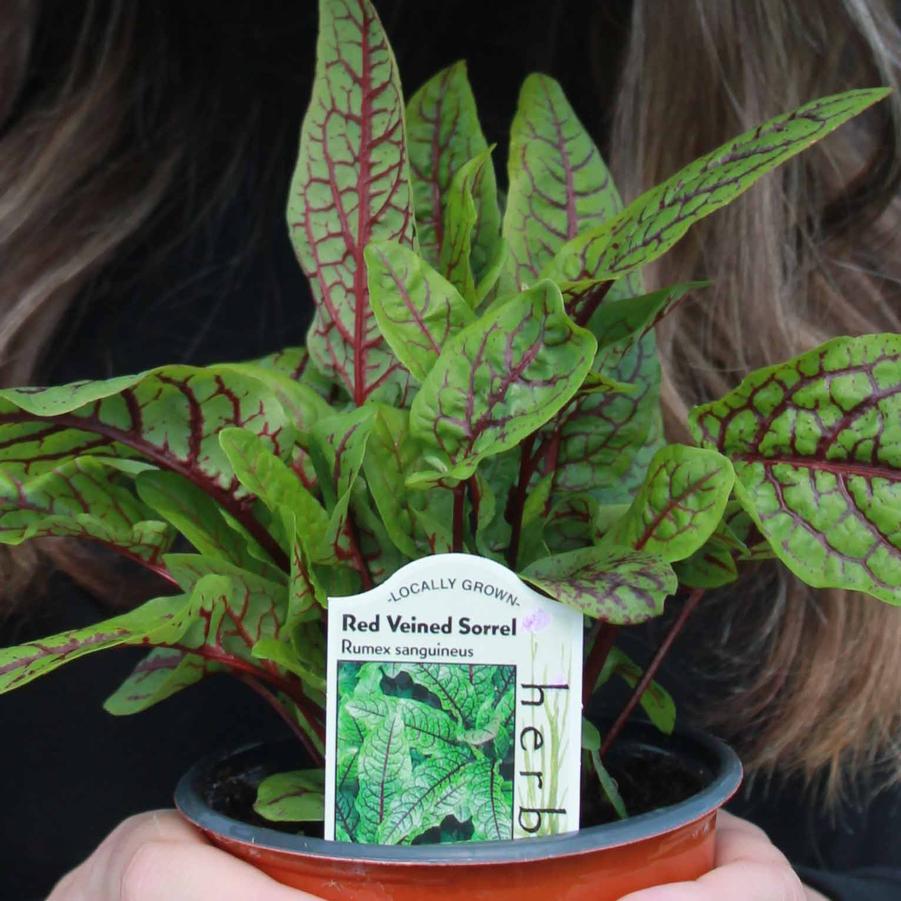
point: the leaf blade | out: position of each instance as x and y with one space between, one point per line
817 451
617 585
417 309
559 185
652 223
501 378
351 170
679 506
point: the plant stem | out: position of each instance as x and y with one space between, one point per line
292 690
687 609
359 560
604 637
475 500
274 701
517 500
590 303
459 515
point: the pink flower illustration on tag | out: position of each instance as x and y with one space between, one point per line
536 621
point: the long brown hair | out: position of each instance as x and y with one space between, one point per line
813 678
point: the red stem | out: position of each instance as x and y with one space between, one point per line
603 643
475 500
590 303
459 515
360 563
518 499
292 690
687 609
273 700
161 571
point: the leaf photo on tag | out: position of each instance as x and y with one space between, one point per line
426 752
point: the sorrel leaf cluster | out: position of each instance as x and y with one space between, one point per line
425 748
479 376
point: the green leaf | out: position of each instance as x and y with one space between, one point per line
347 820
428 730
492 801
608 786
495 718
304 589
384 771
443 133
339 446
278 487
816 445
591 737
501 378
351 187
679 505
607 439
713 564
381 556
350 731
450 684
83 498
229 614
655 700
189 569
571 523
616 585
170 416
437 788
621 321
295 797
471 252
161 674
245 607
308 666
196 516
159 620
534 520
391 453
656 220
303 403
417 309
559 185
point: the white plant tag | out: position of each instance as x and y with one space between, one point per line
454 708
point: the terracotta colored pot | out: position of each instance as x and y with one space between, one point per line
602 863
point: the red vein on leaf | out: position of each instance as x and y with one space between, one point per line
241 512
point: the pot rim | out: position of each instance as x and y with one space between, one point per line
190 801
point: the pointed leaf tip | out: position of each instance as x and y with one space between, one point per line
351 187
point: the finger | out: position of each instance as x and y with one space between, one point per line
739 840
748 868
163 871
743 881
99 877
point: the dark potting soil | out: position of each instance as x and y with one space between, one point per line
648 777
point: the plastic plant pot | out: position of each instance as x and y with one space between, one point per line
600 863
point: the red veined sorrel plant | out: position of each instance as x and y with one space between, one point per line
479 377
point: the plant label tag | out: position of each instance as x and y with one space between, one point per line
454 708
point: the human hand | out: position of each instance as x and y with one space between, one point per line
158 857
748 867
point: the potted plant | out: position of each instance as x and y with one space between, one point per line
480 377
